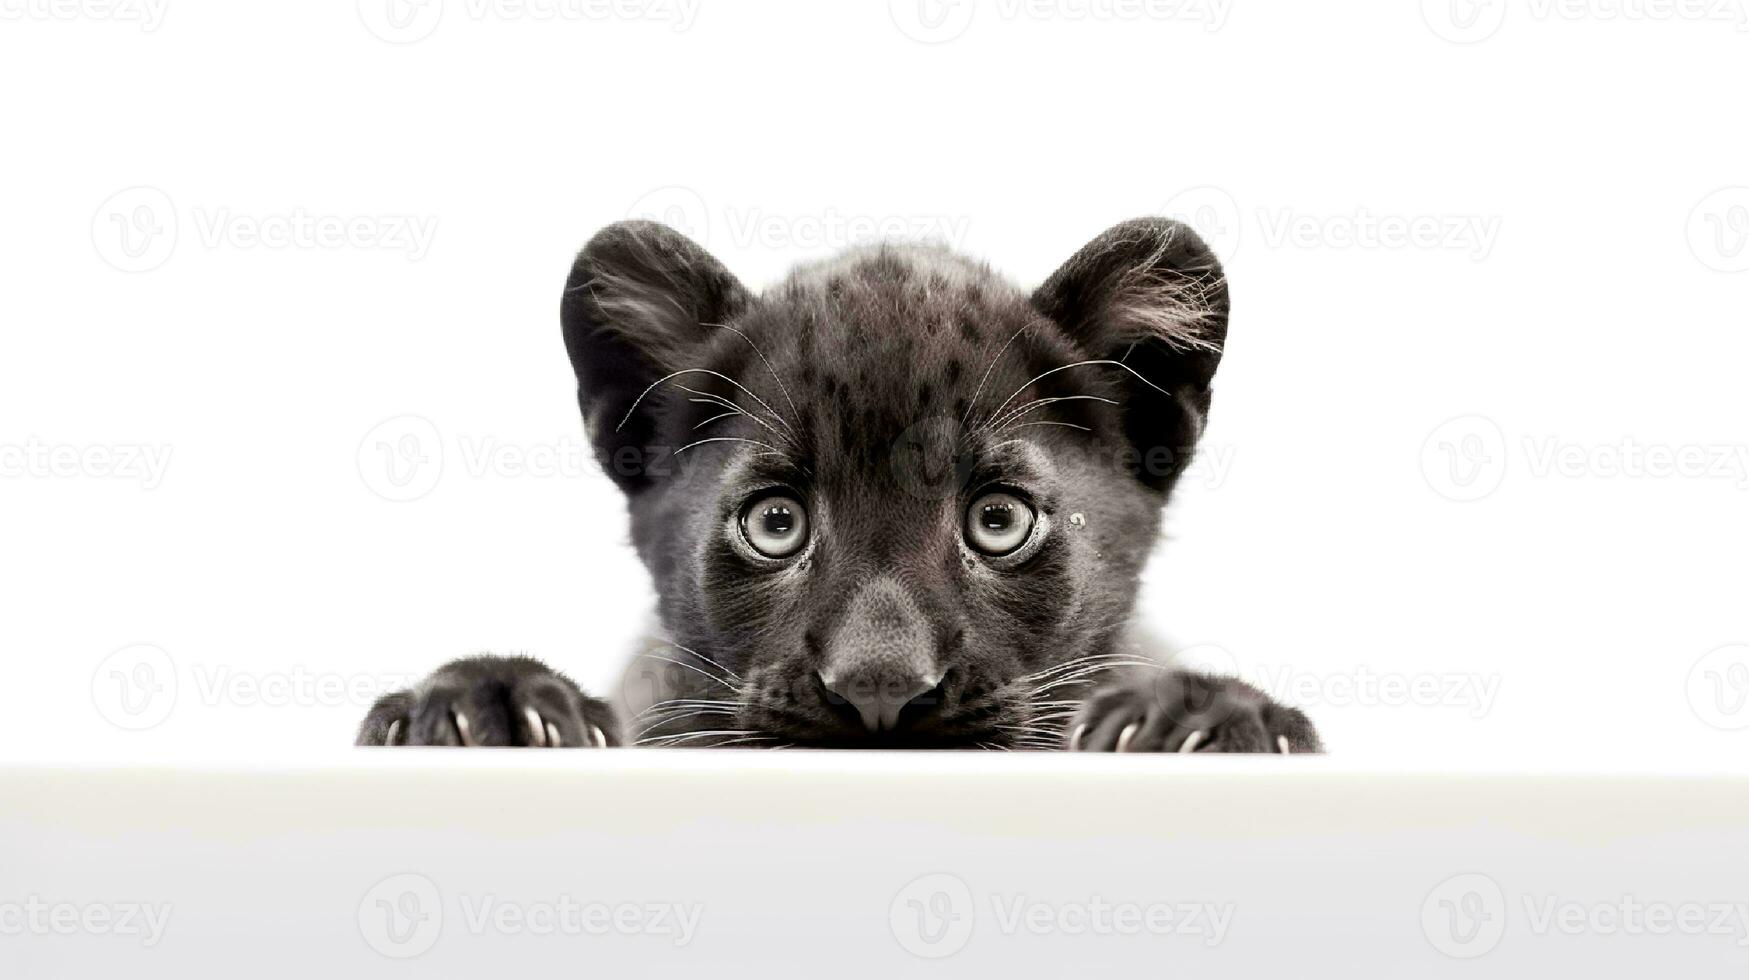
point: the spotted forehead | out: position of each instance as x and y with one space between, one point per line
870 347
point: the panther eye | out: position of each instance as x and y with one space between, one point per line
776 525
998 523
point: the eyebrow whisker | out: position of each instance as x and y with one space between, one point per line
1023 425
1065 367
751 442
1020 410
714 418
710 399
993 362
716 374
774 376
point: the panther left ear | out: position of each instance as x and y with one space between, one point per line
633 309
1149 294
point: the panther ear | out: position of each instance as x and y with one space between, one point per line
1149 294
632 311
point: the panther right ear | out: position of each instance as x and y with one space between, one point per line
632 311
1150 295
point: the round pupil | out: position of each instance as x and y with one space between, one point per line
998 517
779 521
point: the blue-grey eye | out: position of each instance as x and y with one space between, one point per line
776 525
999 523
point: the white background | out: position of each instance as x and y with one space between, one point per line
1533 220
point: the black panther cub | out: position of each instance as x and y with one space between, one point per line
894 501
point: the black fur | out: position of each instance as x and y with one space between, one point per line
885 390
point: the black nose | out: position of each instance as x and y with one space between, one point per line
879 696
881 658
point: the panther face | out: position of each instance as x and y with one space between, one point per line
895 499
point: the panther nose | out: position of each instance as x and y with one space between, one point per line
881 657
879 696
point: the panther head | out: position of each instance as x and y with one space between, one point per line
894 498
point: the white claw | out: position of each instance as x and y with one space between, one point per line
1193 741
600 739
553 738
462 728
1281 743
1129 732
1075 738
394 730
537 729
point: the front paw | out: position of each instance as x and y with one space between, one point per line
492 701
1179 711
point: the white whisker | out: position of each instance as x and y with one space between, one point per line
676 739
1099 659
716 374
711 399
706 659
743 741
781 386
1105 361
1085 675
1020 410
979 393
708 398
725 415
694 669
682 705
751 442
674 719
